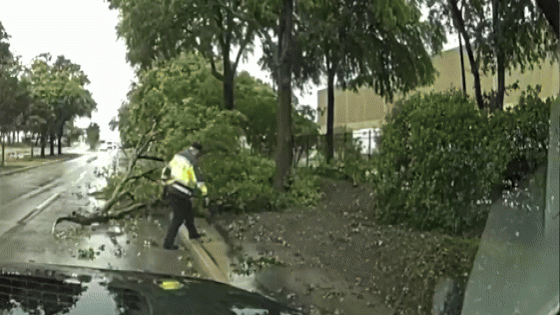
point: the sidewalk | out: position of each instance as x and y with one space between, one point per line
18 164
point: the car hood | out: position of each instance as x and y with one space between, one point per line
30 288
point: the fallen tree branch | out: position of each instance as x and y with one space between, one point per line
120 192
97 217
145 174
153 158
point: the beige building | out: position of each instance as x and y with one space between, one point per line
365 109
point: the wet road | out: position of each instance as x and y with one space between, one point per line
31 201
25 191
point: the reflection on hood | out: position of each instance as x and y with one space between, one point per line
53 289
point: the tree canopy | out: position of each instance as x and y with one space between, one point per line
220 30
60 94
499 36
14 97
380 44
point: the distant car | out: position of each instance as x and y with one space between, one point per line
30 288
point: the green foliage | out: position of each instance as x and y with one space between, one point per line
92 133
303 189
179 97
504 35
437 164
525 129
87 253
240 181
155 29
74 133
59 93
258 102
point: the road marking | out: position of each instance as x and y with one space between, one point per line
80 178
38 210
32 193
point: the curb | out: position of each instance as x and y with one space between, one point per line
210 252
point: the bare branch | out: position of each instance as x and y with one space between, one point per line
153 158
98 217
145 174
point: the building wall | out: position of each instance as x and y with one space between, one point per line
364 109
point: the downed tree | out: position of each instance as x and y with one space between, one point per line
107 212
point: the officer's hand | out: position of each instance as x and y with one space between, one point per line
202 188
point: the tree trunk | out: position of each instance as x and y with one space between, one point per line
59 144
499 100
228 83
229 73
51 140
500 62
43 144
463 77
59 135
460 25
3 148
329 153
284 79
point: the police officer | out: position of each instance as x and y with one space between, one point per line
182 179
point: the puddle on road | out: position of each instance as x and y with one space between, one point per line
133 244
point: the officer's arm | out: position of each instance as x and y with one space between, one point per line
200 180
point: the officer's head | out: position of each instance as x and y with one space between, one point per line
196 148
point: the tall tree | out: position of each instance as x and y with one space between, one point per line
220 30
499 36
284 82
61 95
92 133
75 100
380 44
14 98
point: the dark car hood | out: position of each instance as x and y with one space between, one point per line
29 288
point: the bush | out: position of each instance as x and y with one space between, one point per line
241 181
303 189
525 129
349 164
437 163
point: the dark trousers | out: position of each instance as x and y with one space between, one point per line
182 213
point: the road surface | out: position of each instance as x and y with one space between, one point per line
31 201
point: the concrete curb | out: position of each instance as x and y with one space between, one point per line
210 251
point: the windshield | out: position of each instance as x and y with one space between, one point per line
334 157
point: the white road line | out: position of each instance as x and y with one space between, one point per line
38 209
80 178
42 206
33 193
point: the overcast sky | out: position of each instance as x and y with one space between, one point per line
84 32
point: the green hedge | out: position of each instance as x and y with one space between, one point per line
437 163
525 129
440 158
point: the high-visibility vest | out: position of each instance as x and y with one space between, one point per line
183 176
